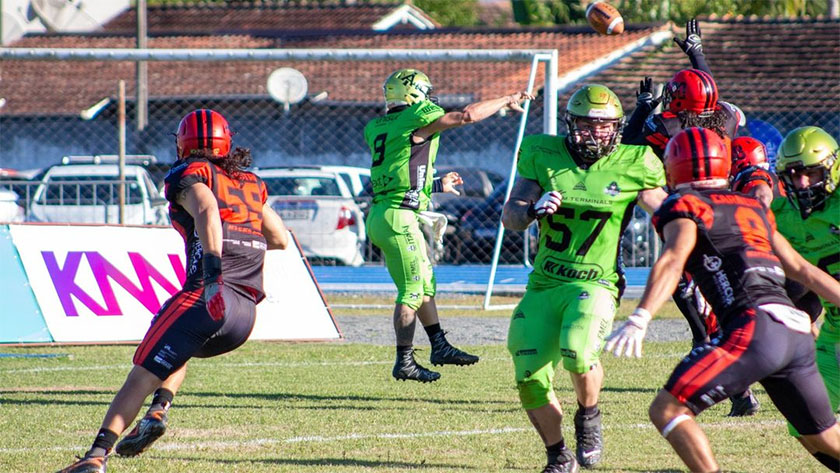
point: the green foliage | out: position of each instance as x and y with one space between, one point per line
548 12
451 12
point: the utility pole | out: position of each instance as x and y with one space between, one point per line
141 106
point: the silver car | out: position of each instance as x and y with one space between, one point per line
319 207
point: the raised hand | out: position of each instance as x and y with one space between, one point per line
644 96
692 41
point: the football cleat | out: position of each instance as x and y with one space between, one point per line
87 464
563 463
744 405
150 428
407 368
443 353
589 440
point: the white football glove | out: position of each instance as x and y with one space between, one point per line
627 339
548 204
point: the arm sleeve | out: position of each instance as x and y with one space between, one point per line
425 113
632 134
698 61
437 185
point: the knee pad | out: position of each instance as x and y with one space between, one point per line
535 391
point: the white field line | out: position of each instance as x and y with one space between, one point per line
237 444
278 364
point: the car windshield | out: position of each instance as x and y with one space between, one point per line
88 190
302 186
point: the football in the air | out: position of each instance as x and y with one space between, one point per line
604 18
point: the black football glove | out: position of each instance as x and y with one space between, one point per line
692 42
644 96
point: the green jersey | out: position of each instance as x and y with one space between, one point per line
817 239
581 241
401 171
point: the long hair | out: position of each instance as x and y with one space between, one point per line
716 121
233 164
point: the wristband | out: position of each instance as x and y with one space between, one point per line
642 313
531 212
437 185
212 266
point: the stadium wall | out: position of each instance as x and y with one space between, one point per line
103 284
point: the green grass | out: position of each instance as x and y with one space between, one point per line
457 305
320 407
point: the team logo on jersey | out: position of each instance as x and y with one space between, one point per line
518 315
612 189
583 296
580 186
833 229
572 271
711 263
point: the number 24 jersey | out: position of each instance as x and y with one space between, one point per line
580 242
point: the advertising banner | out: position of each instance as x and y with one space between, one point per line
105 283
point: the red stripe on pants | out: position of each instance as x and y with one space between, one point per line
182 302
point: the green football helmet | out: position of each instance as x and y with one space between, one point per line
597 105
406 87
803 149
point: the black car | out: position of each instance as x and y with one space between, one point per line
474 235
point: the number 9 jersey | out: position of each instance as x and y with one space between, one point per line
581 241
401 171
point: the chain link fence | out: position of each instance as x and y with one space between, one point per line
75 113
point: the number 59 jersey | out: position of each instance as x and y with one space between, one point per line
240 201
581 241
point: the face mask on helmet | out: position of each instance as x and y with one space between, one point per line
747 152
204 132
697 157
691 90
808 166
406 87
594 117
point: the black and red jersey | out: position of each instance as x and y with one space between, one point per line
240 201
752 176
660 128
733 262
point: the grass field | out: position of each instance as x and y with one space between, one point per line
332 407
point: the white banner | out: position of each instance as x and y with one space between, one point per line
105 283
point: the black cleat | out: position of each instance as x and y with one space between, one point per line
87 464
407 368
148 429
564 463
445 354
590 443
744 405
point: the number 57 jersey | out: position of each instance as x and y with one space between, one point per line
581 241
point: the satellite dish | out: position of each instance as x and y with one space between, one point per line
286 85
13 28
64 15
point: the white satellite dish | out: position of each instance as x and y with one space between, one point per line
287 85
65 15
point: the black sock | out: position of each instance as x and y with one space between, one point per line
162 399
432 330
588 411
833 464
554 451
403 348
103 444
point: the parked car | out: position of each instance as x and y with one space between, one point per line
319 207
89 193
474 235
10 209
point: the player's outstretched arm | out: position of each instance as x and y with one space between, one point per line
472 113
274 230
650 199
680 238
692 46
799 269
516 214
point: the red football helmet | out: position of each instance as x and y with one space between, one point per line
746 152
697 155
691 90
203 129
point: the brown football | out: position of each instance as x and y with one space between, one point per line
604 18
